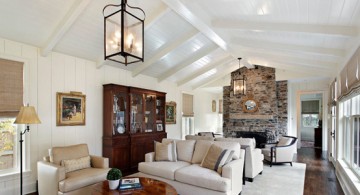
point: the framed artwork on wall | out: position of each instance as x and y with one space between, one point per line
213 106
70 109
170 112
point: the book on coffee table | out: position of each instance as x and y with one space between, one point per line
130 183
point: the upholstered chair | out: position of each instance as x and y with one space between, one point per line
207 134
280 152
70 170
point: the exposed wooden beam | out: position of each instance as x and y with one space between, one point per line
205 69
198 55
267 26
282 46
72 15
168 48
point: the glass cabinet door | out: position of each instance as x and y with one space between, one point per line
136 113
150 101
119 116
160 113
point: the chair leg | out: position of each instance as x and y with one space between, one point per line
291 163
260 173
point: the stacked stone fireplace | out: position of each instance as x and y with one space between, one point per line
271 117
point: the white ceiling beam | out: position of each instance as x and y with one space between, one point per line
281 46
218 76
252 54
200 24
198 55
287 27
167 49
205 69
65 24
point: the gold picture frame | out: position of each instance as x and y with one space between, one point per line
170 112
70 109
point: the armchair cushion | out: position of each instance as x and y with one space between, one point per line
76 164
57 154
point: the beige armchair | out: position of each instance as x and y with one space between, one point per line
281 152
70 170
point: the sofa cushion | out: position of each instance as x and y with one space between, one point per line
162 168
230 146
284 141
76 164
81 178
216 157
196 137
165 151
244 142
203 177
184 148
201 148
57 154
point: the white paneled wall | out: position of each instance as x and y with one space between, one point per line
44 77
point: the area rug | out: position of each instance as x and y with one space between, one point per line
278 180
307 144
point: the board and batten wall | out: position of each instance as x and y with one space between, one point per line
44 76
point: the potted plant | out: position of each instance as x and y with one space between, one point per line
114 176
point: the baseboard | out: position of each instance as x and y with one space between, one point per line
15 189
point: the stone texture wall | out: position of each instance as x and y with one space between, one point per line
271 117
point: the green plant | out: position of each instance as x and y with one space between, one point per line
114 174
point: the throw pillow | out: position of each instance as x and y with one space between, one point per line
216 158
76 164
165 151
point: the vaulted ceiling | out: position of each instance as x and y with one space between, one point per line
196 42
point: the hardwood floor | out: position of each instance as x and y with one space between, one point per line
320 173
320 176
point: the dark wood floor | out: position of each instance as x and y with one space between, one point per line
320 176
320 173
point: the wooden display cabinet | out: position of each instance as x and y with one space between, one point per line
133 119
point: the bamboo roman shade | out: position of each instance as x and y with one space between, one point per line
11 87
350 75
310 107
187 105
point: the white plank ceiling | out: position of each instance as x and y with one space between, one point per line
194 43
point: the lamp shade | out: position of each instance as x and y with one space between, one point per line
27 115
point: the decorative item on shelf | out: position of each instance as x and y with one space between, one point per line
220 106
70 108
123 33
27 115
113 176
170 113
159 127
239 84
249 104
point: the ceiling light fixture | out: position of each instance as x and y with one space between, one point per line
123 33
239 84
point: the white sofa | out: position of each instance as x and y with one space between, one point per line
253 157
188 177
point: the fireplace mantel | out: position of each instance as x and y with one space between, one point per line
251 116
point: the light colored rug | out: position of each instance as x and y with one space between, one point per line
278 180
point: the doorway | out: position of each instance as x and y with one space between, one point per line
311 120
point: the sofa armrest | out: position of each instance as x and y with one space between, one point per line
49 175
150 157
99 162
234 171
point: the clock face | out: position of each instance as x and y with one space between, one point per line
120 129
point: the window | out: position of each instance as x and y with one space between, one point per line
11 96
350 113
310 120
187 125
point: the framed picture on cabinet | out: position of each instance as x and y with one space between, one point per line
70 109
159 127
170 112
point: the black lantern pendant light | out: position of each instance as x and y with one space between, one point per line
240 84
123 33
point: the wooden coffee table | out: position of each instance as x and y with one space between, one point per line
149 186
